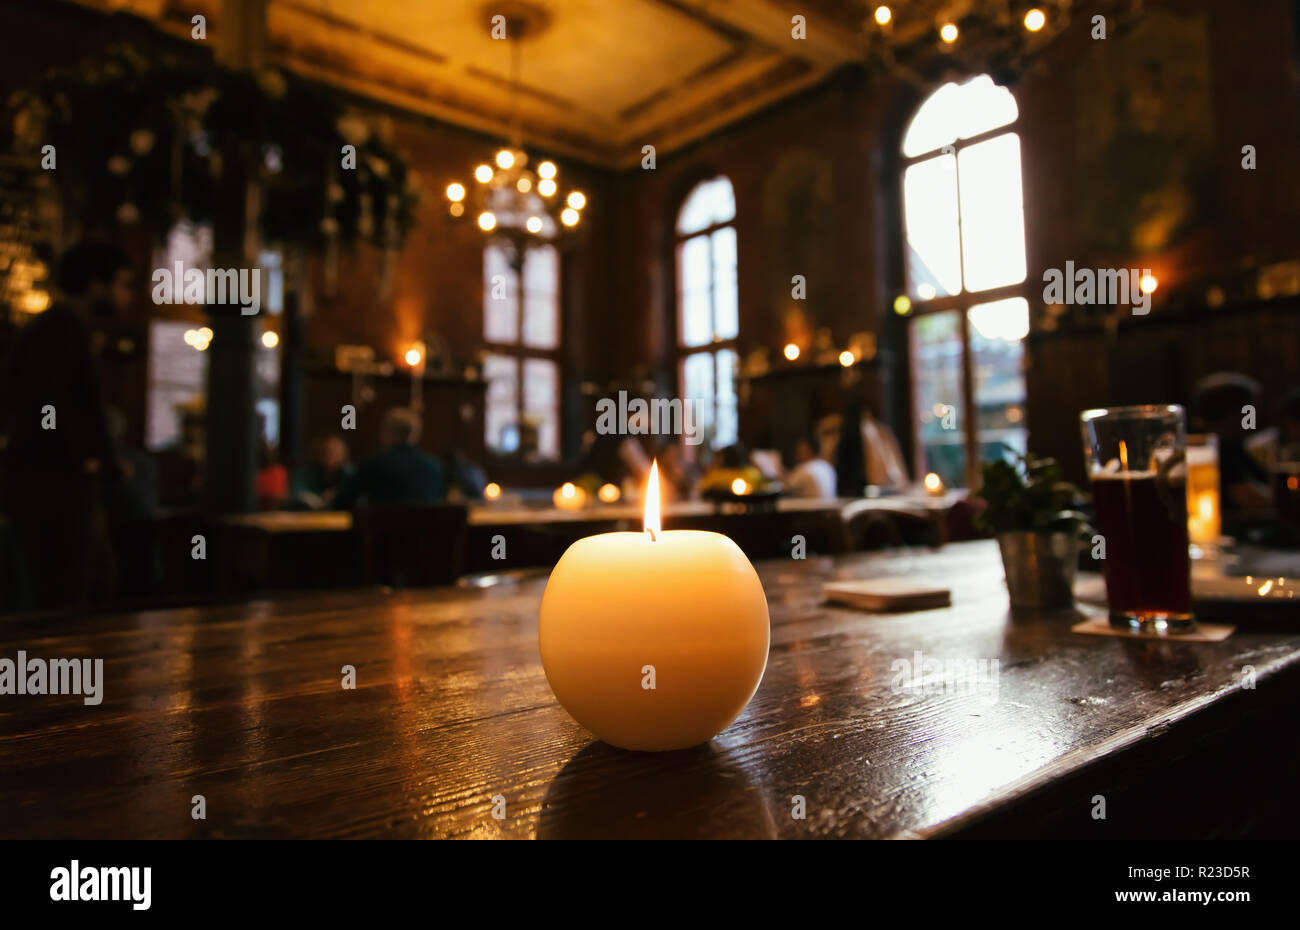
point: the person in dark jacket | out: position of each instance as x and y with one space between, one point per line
58 453
401 474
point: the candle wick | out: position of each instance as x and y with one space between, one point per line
653 536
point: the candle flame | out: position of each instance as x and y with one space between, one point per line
1123 455
652 522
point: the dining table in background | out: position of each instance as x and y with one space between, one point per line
451 722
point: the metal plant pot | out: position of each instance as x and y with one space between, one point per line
1040 567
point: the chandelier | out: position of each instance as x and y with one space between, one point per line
1001 37
508 200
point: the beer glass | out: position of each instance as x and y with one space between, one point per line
1136 458
1204 524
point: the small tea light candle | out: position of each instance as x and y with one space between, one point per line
934 485
654 640
569 496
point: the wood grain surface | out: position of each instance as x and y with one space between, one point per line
243 705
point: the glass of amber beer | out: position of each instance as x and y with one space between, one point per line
1204 524
1137 463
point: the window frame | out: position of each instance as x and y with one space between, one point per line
519 351
962 301
714 346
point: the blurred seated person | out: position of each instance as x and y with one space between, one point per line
466 479
401 474
272 478
812 475
1281 443
180 465
876 447
1218 402
678 476
615 458
59 454
729 464
327 466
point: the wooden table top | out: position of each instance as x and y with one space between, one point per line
243 705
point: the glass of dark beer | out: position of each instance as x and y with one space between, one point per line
1137 463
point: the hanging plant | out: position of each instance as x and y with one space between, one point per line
142 139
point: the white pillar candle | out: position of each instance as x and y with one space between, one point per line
654 640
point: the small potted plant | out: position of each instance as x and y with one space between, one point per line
1031 510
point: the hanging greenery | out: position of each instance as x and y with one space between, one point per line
142 140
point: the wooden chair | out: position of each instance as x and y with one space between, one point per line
411 546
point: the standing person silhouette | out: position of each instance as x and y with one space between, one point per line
58 450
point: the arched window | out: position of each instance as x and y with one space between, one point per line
965 232
521 326
708 308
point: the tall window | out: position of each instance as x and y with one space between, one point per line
521 326
965 229
707 307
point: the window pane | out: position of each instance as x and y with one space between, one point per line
724 250
726 314
937 365
997 352
502 375
500 313
992 217
930 212
711 202
695 309
959 111
697 385
541 298
724 307
727 405
176 378
542 404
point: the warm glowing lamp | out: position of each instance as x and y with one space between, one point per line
934 485
791 351
1148 283
546 170
492 491
505 159
270 339
948 33
654 640
546 187
483 174
487 221
577 200
1035 19
569 217
883 14
534 224
569 496
609 493
847 358
455 192
413 356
